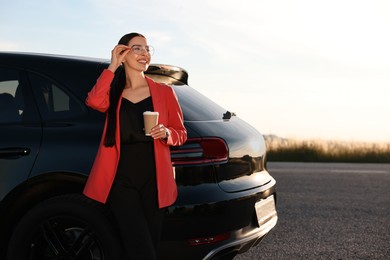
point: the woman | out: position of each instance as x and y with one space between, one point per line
132 172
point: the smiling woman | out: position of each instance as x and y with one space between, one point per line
137 182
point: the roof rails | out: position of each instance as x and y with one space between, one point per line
171 74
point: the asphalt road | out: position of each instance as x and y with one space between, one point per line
329 211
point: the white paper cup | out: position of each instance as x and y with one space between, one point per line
150 121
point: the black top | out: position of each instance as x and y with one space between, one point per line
132 120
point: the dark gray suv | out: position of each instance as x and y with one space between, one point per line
49 138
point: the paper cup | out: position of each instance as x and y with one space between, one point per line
150 120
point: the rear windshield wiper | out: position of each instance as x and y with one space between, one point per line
228 115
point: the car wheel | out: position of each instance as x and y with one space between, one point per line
65 227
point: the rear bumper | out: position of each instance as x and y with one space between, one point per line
237 218
239 243
204 212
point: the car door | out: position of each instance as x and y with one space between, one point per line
70 140
20 129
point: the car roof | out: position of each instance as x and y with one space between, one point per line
168 74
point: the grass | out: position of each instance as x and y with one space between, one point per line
280 149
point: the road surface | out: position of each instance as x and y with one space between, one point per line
329 211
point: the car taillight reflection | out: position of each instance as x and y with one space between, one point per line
200 151
209 240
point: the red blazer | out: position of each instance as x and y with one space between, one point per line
104 168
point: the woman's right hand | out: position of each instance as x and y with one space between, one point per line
117 56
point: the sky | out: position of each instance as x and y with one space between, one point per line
303 69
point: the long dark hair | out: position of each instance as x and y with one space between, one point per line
117 86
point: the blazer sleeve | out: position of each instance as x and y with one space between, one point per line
99 96
178 133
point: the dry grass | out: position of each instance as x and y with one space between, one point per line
280 149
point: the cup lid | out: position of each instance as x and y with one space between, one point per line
150 113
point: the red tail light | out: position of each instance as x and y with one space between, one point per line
200 151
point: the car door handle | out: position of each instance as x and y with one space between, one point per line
14 152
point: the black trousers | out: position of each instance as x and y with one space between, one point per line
134 204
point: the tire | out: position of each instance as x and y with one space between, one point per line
70 227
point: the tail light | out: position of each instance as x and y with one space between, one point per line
200 151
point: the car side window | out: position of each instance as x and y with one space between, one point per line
54 102
11 98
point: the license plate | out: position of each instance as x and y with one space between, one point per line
265 210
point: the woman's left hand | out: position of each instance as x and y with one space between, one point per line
159 131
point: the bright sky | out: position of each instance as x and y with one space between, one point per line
303 69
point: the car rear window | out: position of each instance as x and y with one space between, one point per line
196 106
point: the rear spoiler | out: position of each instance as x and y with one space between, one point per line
168 74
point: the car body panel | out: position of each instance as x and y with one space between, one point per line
214 197
19 140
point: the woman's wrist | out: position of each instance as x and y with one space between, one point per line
112 68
